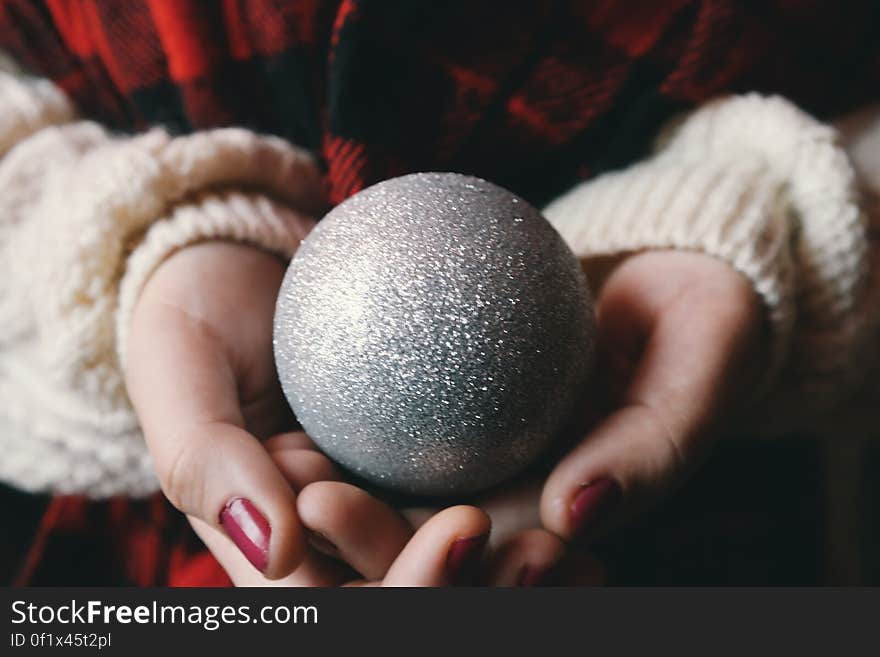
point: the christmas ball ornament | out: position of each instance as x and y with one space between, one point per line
433 334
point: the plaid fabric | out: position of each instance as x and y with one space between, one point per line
73 541
531 95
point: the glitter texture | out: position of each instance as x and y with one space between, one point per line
433 334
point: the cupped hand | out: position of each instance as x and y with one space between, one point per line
201 375
681 345
681 340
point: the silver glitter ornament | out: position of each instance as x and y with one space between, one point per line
433 334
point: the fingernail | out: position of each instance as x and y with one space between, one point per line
534 576
592 505
248 529
323 544
463 561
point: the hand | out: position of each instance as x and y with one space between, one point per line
201 375
680 338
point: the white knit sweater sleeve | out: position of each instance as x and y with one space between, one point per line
755 182
85 217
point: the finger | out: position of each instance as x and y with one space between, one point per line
446 550
360 530
314 569
300 461
290 440
184 383
528 558
686 365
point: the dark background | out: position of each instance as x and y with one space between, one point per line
792 512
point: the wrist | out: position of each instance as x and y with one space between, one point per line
231 222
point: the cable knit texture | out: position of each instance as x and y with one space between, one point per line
759 184
85 217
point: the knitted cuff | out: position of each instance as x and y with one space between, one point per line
85 217
52 438
752 181
248 218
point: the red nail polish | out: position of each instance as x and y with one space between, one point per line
248 529
592 505
463 560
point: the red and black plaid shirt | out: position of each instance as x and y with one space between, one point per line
531 95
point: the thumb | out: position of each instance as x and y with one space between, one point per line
183 383
690 347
